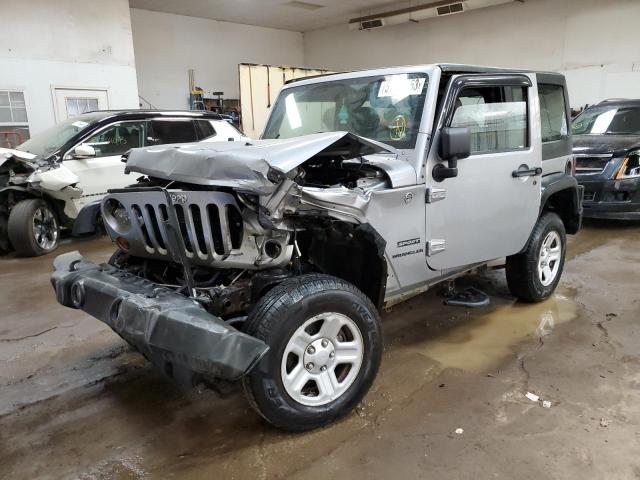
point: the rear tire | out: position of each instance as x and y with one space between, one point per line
325 347
533 274
33 228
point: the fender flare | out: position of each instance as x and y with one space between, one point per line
87 219
560 187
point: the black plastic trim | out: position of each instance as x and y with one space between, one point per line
175 332
571 210
87 219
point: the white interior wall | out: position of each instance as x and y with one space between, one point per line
593 42
168 45
70 43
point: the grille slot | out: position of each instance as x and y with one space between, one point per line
591 164
213 224
210 224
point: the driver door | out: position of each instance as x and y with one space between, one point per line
490 208
105 170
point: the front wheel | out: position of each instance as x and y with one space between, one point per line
325 347
33 228
533 274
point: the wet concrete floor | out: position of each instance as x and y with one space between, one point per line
76 402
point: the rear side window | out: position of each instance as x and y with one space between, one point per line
204 129
496 116
118 138
173 131
553 113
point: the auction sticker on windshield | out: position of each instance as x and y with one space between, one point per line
400 87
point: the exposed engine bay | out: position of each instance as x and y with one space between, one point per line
224 244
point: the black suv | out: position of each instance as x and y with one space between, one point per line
606 145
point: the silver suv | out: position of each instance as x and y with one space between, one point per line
270 260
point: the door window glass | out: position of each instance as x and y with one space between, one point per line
118 138
173 131
204 128
496 116
553 115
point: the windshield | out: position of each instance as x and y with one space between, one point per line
51 139
385 108
608 120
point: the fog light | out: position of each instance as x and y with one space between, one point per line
77 295
272 248
123 243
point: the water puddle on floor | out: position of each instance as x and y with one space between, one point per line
485 338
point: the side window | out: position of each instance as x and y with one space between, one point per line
553 114
497 117
179 130
204 128
118 138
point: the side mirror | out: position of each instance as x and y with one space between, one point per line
455 144
84 151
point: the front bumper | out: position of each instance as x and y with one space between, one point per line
611 199
174 332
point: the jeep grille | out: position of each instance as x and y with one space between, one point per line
210 223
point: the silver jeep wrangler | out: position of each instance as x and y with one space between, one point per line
270 260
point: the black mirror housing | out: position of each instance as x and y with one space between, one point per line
455 144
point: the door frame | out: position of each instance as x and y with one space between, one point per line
444 116
71 87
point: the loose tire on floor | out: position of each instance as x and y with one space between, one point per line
325 342
33 228
533 275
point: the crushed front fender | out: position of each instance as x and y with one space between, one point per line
173 331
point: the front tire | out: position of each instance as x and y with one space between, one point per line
533 274
33 228
325 347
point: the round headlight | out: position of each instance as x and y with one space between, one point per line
116 216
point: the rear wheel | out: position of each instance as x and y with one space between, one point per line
33 228
534 274
325 345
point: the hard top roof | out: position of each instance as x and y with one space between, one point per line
450 68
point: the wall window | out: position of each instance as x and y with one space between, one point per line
118 138
553 114
79 105
14 126
496 116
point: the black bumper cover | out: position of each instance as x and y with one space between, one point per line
174 332
610 198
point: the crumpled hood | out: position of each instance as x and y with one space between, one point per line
604 144
245 165
8 153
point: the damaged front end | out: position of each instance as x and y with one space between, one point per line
24 175
211 228
173 331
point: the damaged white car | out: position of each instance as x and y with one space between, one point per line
57 178
270 260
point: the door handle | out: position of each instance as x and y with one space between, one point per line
530 172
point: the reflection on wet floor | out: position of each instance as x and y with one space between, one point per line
487 338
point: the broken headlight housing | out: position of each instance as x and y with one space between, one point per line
116 216
630 167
